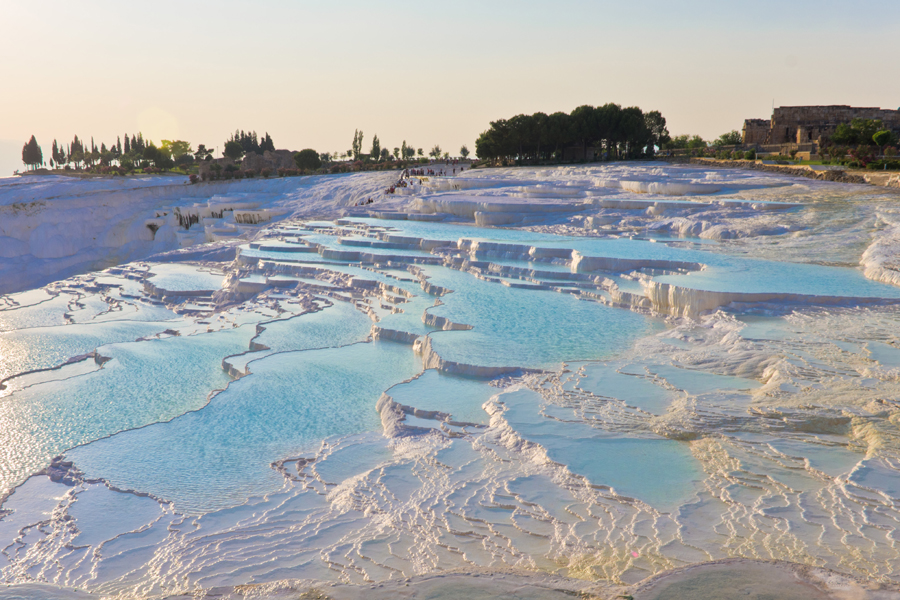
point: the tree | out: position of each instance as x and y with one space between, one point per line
233 150
357 144
610 128
32 154
76 156
396 153
583 121
385 154
558 132
307 160
464 151
656 123
247 140
56 155
837 152
175 148
76 147
151 153
732 138
435 152
882 138
678 142
419 152
857 131
375 153
407 152
696 142
127 149
266 143
203 153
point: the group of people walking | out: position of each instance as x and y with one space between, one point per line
406 181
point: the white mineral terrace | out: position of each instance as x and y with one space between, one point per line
611 380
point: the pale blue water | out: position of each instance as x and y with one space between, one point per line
46 313
637 390
727 273
410 320
182 278
526 328
656 470
337 325
696 381
45 347
144 421
146 382
463 398
220 456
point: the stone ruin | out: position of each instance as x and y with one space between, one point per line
811 125
270 159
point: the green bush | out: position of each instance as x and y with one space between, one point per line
307 160
879 165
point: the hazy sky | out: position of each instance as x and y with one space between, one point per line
310 73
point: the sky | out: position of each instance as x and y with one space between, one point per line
311 73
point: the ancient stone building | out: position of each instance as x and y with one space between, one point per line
272 160
811 124
756 131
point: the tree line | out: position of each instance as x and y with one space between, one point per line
380 153
241 143
612 131
135 152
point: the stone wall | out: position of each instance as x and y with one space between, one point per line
271 160
204 165
756 131
811 124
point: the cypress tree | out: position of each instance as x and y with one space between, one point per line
266 144
32 154
127 144
375 153
118 146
